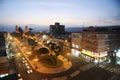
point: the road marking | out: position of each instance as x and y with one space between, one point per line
102 66
75 73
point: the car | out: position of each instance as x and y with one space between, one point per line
23 58
24 61
19 76
26 64
29 71
28 67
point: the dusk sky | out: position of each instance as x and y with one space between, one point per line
67 12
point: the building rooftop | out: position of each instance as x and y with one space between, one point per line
103 29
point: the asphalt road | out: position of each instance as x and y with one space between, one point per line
91 74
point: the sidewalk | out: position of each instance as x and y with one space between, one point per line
42 69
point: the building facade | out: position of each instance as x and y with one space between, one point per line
97 44
57 29
76 43
26 29
16 29
4 65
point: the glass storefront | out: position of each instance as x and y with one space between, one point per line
75 52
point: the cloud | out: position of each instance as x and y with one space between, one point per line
117 17
42 3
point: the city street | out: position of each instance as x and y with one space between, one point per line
93 74
76 72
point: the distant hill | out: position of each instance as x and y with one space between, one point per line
11 28
38 28
80 29
74 29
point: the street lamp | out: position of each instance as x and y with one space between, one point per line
68 56
29 53
19 54
36 59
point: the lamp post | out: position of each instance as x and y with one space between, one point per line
36 59
68 56
29 53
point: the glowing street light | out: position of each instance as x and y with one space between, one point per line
24 47
19 53
29 53
36 59
68 55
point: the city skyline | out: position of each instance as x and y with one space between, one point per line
69 12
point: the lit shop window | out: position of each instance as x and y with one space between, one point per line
87 57
75 52
77 46
73 45
96 60
118 53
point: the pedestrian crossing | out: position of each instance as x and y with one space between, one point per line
75 73
109 67
106 67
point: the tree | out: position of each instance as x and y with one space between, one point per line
55 48
43 51
32 42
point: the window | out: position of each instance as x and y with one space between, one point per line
77 46
106 36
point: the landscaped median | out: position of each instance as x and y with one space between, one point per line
51 61
47 68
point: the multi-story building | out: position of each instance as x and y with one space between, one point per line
97 44
57 29
76 43
26 29
16 29
4 65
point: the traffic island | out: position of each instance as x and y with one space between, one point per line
51 61
47 67
63 64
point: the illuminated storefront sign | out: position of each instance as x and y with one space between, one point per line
3 75
92 54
